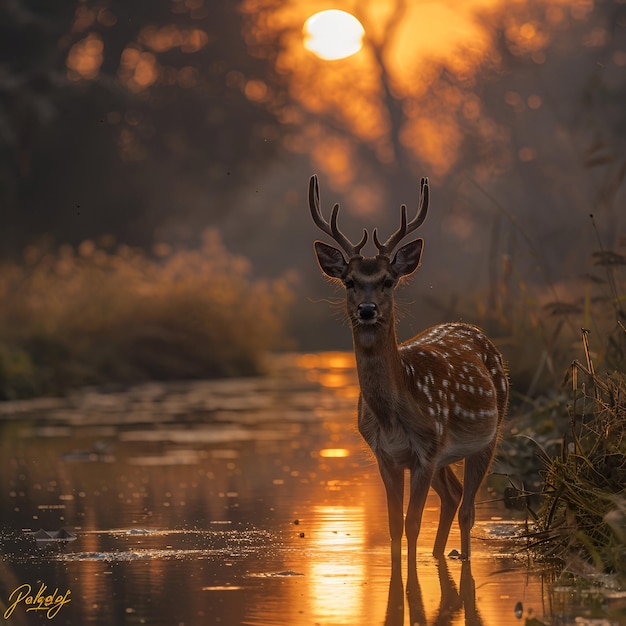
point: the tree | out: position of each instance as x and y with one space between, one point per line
515 111
126 118
469 93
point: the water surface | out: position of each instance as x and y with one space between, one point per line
247 501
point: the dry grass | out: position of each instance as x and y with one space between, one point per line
538 327
567 450
582 519
564 463
97 315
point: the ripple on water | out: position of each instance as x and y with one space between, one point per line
204 545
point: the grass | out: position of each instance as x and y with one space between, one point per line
582 519
564 457
103 315
564 462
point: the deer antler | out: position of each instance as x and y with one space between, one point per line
387 247
332 229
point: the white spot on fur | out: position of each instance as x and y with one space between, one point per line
426 392
461 412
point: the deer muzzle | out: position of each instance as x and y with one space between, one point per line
367 312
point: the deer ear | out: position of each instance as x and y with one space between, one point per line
407 258
331 260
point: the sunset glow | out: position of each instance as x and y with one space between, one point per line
333 34
334 453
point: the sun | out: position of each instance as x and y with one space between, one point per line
333 34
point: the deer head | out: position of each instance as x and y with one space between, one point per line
369 281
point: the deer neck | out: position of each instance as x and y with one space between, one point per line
378 363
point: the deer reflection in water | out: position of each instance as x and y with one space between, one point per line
450 604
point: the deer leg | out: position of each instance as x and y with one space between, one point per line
476 467
393 479
449 490
420 484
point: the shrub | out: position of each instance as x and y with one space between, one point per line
582 518
96 315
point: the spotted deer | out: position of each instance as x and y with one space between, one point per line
426 403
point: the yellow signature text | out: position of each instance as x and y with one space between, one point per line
49 603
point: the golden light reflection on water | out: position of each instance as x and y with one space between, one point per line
331 567
344 575
328 360
336 591
334 370
334 453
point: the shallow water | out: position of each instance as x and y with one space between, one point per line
248 501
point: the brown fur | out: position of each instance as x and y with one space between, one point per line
431 401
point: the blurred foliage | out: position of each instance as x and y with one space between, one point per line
524 94
122 117
537 327
152 120
102 314
517 120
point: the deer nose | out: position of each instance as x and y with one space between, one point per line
367 310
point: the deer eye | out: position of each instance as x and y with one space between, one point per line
388 284
349 284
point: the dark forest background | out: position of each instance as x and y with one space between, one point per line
143 130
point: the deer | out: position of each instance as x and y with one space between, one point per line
426 403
